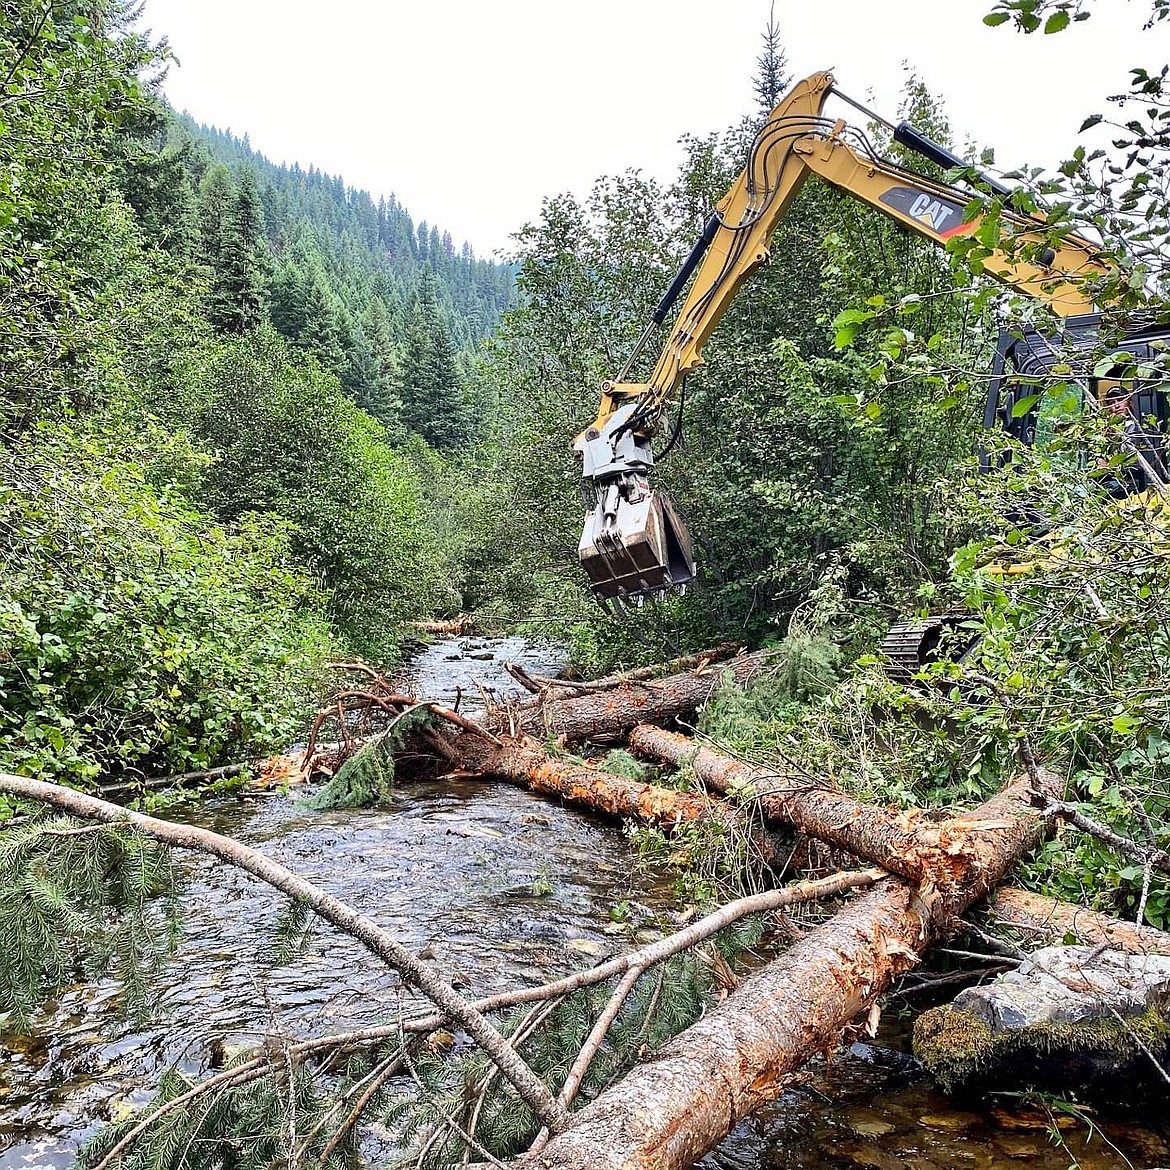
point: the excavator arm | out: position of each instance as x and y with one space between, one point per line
634 543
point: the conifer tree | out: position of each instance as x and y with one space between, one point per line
231 228
433 403
302 307
772 76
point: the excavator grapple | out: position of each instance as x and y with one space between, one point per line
634 544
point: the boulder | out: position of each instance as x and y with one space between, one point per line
1079 1021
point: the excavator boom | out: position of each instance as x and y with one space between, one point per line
634 543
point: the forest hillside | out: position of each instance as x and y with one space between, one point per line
254 419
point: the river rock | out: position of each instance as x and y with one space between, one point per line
1071 1020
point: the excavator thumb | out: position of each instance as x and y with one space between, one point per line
634 544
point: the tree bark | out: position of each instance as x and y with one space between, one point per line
522 761
1053 920
563 688
611 713
914 844
672 1110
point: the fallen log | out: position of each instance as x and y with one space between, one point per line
1054 921
669 1112
564 688
521 760
915 844
612 713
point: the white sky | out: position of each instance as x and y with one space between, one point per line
472 111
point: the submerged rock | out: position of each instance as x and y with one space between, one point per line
1073 1020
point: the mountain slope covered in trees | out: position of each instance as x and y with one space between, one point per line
392 308
229 394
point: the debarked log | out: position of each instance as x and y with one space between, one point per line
670 1111
1053 921
914 843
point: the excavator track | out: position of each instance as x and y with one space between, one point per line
911 646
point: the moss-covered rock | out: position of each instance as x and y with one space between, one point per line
1106 1059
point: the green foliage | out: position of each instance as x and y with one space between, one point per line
367 777
134 634
389 309
663 1002
245 1128
286 441
432 397
68 86
621 763
77 900
802 668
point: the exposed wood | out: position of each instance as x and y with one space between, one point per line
380 943
672 1110
459 626
1051 920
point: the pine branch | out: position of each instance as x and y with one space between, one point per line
380 943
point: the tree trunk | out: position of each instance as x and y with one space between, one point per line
1052 920
563 688
912 843
672 1110
610 714
522 761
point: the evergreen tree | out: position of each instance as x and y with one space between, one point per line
301 306
772 76
377 329
433 401
231 229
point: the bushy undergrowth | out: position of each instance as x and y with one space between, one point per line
135 634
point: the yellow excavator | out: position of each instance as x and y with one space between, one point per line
634 544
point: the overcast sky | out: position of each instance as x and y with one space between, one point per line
472 111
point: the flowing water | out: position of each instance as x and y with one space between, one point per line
504 889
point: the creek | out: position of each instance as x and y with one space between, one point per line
505 889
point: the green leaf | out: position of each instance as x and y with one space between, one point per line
1125 724
1024 405
1091 121
997 18
1057 21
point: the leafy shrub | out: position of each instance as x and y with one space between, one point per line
134 634
286 441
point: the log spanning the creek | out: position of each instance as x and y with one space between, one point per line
521 760
669 1112
914 844
610 713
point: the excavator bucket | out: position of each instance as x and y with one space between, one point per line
634 547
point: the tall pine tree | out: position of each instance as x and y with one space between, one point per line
433 402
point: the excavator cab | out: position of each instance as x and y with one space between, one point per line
1027 400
